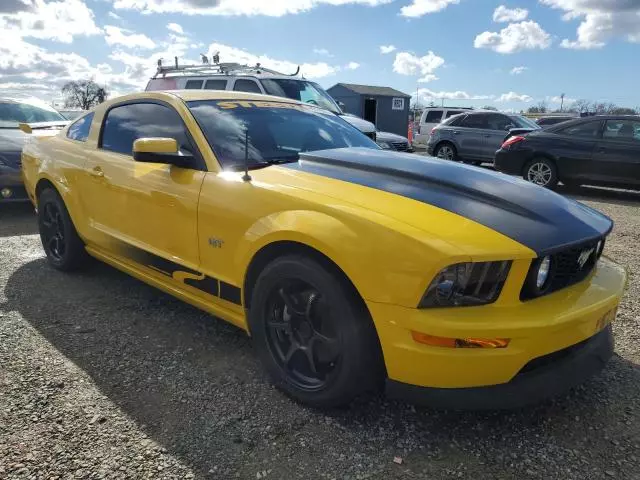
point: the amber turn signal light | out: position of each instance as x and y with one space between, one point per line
459 342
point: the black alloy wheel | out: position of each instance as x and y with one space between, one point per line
60 240
52 232
302 336
312 332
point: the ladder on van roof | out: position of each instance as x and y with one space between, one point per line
214 68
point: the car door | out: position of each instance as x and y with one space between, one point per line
146 212
499 126
573 147
470 136
617 155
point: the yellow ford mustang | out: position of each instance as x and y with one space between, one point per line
348 265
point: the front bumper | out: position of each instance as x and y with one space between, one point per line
11 186
536 329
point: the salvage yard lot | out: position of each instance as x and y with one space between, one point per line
102 376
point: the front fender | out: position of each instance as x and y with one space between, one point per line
385 265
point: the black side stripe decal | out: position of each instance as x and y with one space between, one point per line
209 285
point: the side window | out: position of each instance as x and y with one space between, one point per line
244 85
216 84
476 121
79 130
193 85
622 130
498 122
583 130
433 116
127 123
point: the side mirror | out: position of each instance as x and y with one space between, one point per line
509 127
160 150
342 106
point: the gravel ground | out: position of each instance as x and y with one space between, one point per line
102 376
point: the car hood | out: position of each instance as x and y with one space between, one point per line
361 124
390 137
531 215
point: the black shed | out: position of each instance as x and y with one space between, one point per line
385 107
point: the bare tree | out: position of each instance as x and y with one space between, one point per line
541 107
581 106
490 107
83 94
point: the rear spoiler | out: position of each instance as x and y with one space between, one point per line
30 127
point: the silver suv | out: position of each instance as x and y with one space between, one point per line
258 79
474 137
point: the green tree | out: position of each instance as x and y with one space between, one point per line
83 94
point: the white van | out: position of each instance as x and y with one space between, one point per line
432 117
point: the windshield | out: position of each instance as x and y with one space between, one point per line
12 113
301 90
277 132
524 122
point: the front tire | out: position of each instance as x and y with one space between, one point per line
446 151
542 172
64 249
312 334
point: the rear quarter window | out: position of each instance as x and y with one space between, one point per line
433 116
79 130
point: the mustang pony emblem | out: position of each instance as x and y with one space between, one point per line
584 257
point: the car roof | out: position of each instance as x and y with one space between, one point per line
191 95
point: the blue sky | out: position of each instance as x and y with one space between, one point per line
510 53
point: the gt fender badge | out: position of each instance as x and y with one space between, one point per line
216 242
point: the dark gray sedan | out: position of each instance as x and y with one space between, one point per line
12 113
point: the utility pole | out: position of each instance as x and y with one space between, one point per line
561 101
442 102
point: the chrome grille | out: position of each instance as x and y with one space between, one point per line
400 146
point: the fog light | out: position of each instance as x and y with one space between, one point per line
6 192
445 342
543 272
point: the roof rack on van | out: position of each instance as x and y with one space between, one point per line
216 67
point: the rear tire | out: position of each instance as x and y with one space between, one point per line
312 334
64 249
541 171
446 151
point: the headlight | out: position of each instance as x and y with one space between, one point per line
466 284
384 145
543 273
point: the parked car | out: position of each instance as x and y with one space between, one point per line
432 117
348 264
545 122
12 113
474 137
601 150
72 114
386 140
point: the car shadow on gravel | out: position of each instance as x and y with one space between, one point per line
602 194
191 383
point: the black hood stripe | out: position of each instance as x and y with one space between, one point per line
532 216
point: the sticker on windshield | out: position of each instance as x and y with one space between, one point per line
230 105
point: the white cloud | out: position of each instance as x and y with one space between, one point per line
426 94
119 36
419 8
352 66
407 63
114 15
271 8
322 52
175 28
384 49
59 21
518 70
514 38
504 14
309 70
514 97
602 20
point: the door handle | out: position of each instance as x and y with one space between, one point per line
96 172
455 132
602 150
487 135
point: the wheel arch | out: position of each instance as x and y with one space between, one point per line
543 155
